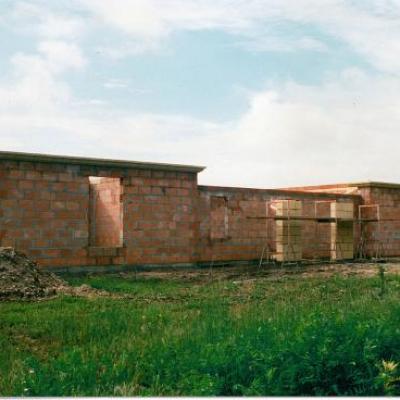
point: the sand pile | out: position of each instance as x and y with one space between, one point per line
21 279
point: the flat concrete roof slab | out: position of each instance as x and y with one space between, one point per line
101 162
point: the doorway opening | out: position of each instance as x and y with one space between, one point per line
105 212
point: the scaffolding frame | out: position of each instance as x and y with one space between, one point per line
267 253
378 246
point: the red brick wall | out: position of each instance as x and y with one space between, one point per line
167 218
43 211
383 237
160 217
245 232
105 212
387 232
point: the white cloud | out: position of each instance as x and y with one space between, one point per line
156 18
116 84
118 51
55 26
345 130
34 84
276 43
370 28
60 56
32 17
373 32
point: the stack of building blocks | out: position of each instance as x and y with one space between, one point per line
342 231
322 230
288 231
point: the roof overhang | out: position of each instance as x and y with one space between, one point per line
98 162
388 185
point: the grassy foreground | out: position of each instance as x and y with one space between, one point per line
288 336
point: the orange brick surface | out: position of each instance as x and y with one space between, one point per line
54 213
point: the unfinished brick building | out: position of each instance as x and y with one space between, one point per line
70 211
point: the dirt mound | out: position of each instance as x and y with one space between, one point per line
21 279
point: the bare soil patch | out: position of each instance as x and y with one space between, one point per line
21 279
249 273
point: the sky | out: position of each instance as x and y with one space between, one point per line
264 93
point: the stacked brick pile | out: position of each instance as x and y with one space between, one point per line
288 232
342 231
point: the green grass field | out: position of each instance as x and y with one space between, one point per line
258 336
